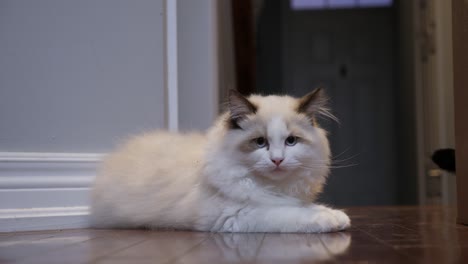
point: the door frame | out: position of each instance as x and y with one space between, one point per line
460 66
433 86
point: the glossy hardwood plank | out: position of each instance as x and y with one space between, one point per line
22 246
31 235
378 235
303 248
225 248
161 247
104 244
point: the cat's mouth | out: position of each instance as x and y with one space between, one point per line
278 169
277 174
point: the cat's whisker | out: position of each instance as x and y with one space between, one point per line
344 166
331 166
340 154
346 159
327 166
310 166
325 162
325 112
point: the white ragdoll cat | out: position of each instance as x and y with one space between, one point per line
258 169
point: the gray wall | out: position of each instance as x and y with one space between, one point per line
197 63
77 76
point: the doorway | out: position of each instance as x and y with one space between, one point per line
352 53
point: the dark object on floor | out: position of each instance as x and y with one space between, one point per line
445 159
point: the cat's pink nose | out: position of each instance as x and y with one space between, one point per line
277 162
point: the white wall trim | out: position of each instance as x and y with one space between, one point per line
45 190
12 220
41 212
171 64
215 10
45 156
22 170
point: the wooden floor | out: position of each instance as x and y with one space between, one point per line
378 235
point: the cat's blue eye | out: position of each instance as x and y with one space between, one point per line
291 141
261 142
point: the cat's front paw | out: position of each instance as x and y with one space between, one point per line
342 218
329 220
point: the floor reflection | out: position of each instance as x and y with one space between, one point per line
281 247
379 234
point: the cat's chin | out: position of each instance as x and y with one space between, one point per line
277 174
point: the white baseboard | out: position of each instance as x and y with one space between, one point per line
12 220
43 191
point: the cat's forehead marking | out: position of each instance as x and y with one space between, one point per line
277 127
274 105
277 117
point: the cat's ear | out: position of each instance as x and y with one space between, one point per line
315 103
239 108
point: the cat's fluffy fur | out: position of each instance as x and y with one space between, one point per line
226 180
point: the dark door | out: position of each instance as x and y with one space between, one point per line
350 52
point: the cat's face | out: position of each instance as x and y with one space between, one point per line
277 137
